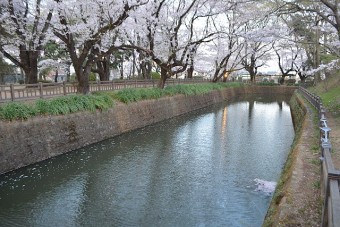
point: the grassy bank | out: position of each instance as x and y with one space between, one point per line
329 91
99 100
134 95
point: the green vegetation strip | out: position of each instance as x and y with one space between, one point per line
100 100
329 92
134 95
57 106
331 99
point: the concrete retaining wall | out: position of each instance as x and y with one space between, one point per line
27 142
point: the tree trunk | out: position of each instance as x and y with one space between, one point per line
29 59
103 69
146 67
317 60
225 75
31 75
122 69
302 78
68 73
133 70
216 76
164 75
56 76
252 77
190 72
83 76
282 79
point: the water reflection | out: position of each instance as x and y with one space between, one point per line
194 170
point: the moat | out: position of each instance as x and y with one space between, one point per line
198 169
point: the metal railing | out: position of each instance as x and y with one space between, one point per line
16 92
330 176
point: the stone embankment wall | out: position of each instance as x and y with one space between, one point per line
298 110
26 142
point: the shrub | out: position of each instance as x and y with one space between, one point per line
198 89
92 77
290 82
132 95
101 100
155 75
58 106
281 80
16 111
267 84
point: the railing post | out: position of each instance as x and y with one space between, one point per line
98 85
322 112
41 90
64 87
12 92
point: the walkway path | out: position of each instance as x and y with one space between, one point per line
301 202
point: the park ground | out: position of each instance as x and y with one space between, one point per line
329 91
297 200
300 202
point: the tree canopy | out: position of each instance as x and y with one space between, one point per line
211 37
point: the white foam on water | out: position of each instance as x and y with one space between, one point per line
267 187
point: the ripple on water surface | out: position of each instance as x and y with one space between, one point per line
193 170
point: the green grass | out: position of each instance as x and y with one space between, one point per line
331 100
100 100
315 162
316 184
14 110
134 95
58 106
329 91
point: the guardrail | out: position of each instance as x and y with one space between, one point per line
330 176
16 92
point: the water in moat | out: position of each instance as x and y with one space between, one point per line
212 167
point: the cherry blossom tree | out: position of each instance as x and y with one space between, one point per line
89 31
226 50
256 55
244 42
287 54
318 25
24 26
327 10
173 33
55 57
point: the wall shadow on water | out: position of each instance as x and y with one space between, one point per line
195 169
